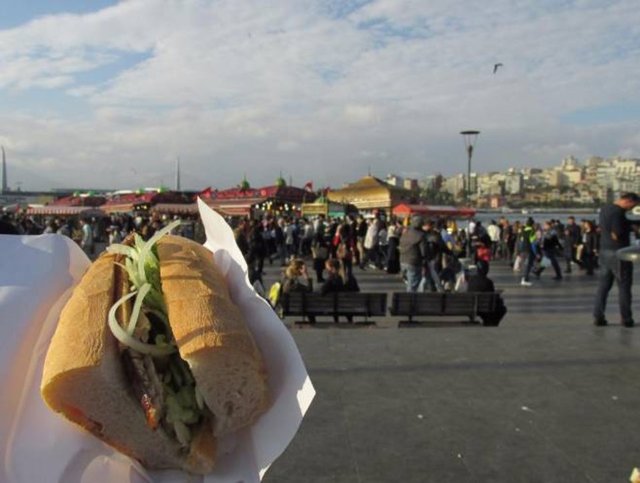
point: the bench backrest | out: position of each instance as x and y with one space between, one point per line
431 303
358 303
335 303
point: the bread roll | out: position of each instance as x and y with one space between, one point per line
211 334
84 378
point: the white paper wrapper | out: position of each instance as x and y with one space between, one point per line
37 275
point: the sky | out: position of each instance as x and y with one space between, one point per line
107 94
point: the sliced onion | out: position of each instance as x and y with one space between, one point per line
122 335
146 248
121 249
135 313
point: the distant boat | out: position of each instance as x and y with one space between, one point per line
525 211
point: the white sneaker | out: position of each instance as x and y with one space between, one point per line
525 283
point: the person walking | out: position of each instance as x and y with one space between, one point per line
413 252
256 251
87 238
527 248
494 231
393 255
371 243
589 246
436 248
615 230
572 237
320 254
550 243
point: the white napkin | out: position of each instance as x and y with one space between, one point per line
37 274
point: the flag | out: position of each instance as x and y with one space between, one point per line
206 193
309 186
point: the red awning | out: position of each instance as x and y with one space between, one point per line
405 209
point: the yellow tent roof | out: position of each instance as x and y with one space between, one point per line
368 192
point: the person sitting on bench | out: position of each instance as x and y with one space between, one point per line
338 280
297 279
480 282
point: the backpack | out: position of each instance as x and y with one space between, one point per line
524 243
274 293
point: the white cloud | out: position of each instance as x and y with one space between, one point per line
235 87
361 114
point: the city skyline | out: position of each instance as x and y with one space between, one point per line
111 94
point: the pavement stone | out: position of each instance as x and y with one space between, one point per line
544 397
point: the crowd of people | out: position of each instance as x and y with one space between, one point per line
94 234
430 254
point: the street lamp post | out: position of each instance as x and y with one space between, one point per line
470 138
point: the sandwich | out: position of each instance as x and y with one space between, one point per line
152 356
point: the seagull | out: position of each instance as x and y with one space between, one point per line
495 67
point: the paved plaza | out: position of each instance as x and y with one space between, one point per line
545 397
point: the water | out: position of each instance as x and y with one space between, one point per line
538 216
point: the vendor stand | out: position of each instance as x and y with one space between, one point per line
245 201
370 194
78 205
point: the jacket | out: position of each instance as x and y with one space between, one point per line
413 247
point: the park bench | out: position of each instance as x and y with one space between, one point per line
334 304
435 304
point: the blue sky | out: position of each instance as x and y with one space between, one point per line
109 94
18 12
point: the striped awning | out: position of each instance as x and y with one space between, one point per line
118 208
231 209
61 210
175 208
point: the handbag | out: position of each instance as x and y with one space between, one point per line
320 251
341 251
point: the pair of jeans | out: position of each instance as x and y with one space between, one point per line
430 278
531 260
612 269
412 276
551 255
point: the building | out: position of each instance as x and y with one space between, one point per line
569 162
410 184
370 193
513 182
394 180
455 186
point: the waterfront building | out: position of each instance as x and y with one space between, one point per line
370 193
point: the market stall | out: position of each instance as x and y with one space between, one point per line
79 205
369 194
246 201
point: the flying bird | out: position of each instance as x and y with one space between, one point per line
496 67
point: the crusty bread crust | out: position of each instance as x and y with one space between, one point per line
212 335
79 346
83 379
